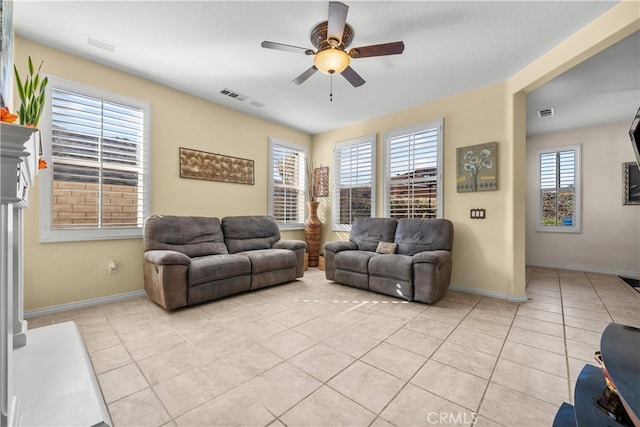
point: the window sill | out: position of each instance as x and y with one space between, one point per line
60 236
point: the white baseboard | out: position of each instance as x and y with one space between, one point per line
587 269
82 304
492 294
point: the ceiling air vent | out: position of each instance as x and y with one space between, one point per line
547 112
234 95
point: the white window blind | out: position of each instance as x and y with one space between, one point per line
287 182
97 184
559 196
354 181
413 159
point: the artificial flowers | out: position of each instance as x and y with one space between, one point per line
6 116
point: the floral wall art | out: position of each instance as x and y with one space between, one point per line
476 168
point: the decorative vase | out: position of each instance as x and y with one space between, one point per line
313 234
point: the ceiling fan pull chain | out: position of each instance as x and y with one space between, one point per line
330 87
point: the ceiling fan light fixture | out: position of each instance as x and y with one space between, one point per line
331 61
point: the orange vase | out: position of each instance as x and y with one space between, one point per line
313 234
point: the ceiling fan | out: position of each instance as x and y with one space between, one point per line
331 39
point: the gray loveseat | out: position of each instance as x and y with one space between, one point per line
190 259
413 262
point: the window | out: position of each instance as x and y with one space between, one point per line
354 181
413 171
559 200
287 183
96 145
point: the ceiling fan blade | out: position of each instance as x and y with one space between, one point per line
287 48
304 76
353 77
337 20
394 48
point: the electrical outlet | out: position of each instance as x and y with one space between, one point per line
113 267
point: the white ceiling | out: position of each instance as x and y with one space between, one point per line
603 89
202 47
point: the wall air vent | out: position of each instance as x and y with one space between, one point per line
547 112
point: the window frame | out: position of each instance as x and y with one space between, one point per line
335 188
437 124
577 202
301 149
49 235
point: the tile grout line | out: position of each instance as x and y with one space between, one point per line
495 365
500 353
135 362
422 366
566 347
325 383
600 288
600 297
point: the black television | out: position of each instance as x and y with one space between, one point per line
634 134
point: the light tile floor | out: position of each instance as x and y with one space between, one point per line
316 353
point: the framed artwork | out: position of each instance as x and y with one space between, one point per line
477 167
215 167
631 184
321 181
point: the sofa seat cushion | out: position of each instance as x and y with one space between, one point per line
356 261
215 267
270 259
395 266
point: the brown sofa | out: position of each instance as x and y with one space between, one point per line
413 262
191 259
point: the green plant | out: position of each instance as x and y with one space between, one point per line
32 93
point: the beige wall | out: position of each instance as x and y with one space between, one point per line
489 255
480 246
610 237
59 273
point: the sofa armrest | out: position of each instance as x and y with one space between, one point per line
330 251
166 257
340 246
431 275
431 257
290 244
299 247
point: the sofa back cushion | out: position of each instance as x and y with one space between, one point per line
192 235
247 233
417 235
368 232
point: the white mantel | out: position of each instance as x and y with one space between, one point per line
16 142
19 152
45 375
